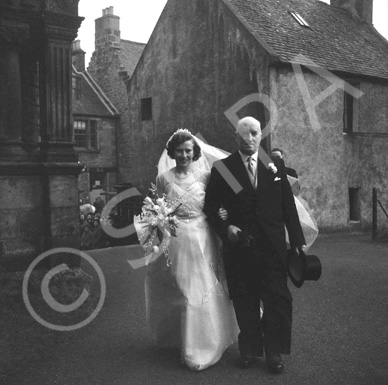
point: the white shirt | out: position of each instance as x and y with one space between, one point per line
254 157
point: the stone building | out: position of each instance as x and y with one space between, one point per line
111 64
315 74
38 164
95 122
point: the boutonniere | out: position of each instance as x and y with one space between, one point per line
272 168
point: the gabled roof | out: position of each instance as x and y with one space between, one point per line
131 52
93 100
335 41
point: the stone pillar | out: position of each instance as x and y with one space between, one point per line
58 32
12 38
39 168
59 177
29 68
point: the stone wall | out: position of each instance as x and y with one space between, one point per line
20 215
38 164
328 161
200 61
106 154
106 69
38 211
197 64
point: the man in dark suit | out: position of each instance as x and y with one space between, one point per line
257 196
277 153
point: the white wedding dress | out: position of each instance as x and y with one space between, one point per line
186 295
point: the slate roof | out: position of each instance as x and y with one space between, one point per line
93 101
130 55
335 40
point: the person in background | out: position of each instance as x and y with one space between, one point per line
278 153
306 216
86 237
82 219
98 204
89 219
100 238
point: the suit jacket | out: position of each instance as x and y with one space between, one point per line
259 213
291 172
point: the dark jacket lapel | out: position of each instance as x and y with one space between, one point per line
262 177
237 168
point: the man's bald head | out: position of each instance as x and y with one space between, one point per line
248 135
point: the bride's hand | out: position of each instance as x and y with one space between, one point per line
222 213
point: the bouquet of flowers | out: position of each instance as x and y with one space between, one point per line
156 224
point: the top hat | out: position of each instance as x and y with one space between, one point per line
302 267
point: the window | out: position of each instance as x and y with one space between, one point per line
350 117
93 133
146 109
300 19
85 134
96 179
354 204
79 133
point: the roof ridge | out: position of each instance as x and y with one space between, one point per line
100 93
131 41
334 41
247 26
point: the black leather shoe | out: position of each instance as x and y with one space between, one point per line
246 361
275 363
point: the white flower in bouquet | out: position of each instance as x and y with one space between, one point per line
160 202
148 201
157 222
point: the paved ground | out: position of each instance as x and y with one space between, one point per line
340 333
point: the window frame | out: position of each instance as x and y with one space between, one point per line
79 125
146 109
299 19
354 204
350 110
91 134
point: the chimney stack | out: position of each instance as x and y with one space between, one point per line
358 9
107 31
78 56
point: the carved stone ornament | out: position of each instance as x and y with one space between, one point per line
61 26
14 35
63 6
69 7
23 4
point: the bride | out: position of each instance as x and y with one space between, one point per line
186 294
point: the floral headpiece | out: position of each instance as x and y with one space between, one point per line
179 131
